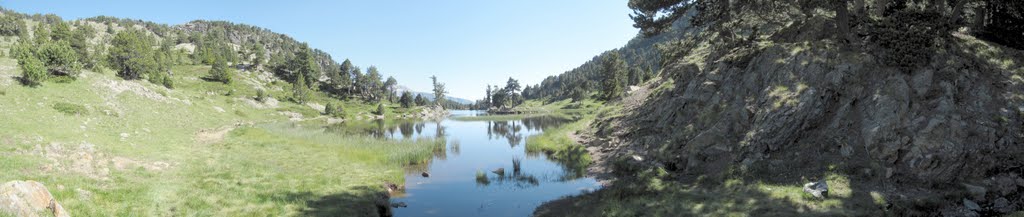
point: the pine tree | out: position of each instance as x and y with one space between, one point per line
613 70
439 91
344 79
219 72
420 101
131 54
406 99
305 65
389 88
258 55
41 34
60 58
373 84
300 92
33 72
380 109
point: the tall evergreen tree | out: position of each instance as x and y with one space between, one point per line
613 70
305 66
487 97
300 92
131 54
420 100
219 71
372 83
406 99
344 80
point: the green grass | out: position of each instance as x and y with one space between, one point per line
263 170
649 195
561 106
281 169
70 109
556 143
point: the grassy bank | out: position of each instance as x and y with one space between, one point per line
650 194
281 169
109 147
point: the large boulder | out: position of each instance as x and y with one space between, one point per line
28 198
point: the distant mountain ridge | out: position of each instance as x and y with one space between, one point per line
430 96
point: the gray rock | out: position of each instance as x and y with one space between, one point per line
1004 185
922 81
1002 205
977 192
28 199
971 205
818 189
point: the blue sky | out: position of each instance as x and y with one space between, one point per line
466 43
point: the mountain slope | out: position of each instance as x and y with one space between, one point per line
736 127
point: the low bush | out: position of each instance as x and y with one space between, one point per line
261 95
33 72
70 108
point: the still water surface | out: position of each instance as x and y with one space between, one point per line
474 148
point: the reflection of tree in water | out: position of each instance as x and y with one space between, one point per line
500 176
544 122
512 130
506 129
378 128
439 130
406 129
456 147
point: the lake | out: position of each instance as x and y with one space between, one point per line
485 169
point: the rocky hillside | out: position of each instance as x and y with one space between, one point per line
942 138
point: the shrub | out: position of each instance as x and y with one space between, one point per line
219 72
168 82
33 73
11 25
380 109
70 109
334 110
906 39
261 95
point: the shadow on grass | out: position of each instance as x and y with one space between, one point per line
358 201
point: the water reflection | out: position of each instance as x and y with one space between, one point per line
484 169
511 130
400 129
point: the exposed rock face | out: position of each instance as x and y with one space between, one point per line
28 198
946 122
957 119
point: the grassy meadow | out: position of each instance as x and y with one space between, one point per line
109 147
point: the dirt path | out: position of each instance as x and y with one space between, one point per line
210 136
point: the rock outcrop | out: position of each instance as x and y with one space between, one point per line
803 106
27 199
